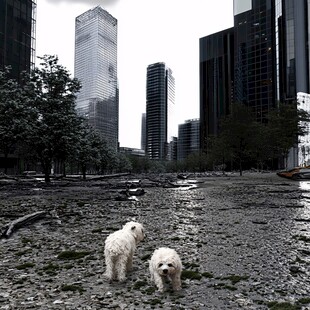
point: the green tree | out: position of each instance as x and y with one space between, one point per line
14 115
87 150
238 131
56 124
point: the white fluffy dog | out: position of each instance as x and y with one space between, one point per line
165 263
119 250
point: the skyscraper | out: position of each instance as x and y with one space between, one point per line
216 80
188 138
143 131
17 35
160 106
271 60
95 65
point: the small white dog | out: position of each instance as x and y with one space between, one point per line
165 263
119 250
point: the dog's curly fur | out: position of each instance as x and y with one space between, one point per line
119 250
165 263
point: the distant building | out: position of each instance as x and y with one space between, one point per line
17 35
160 106
188 138
143 131
95 66
132 151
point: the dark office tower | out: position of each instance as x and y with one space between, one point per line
17 35
160 97
216 80
255 55
188 138
95 65
292 43
143 131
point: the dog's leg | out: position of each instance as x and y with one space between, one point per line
120 267
176 281
129 262
159 282
109 273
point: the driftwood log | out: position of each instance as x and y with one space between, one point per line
20 222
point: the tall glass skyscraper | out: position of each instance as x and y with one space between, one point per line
271 60
17 35
188 138
216 79
160 106
95 65
255 72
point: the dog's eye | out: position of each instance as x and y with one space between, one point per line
170 265
159 265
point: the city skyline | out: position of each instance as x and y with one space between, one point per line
153 32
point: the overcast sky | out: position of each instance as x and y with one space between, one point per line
149 31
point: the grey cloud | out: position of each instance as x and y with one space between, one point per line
104 3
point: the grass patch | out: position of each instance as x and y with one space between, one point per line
302 238
274 305
192 275
67 255
146 256
191 265
207 275
22 253
72 287
26 240
304 301
235 278
220 286
139 284
150 290
51 269
25 266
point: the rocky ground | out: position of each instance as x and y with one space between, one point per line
244 243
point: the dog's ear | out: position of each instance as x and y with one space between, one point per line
133 227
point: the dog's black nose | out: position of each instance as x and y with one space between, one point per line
165 271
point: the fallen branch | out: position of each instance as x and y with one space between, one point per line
22 221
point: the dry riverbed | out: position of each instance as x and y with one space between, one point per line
244 243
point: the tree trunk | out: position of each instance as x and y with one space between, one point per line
84 172
6 155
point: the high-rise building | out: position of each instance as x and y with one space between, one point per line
143 131
95 65
17 35
216 80
292 48
188 138
271 61
160 106
254 54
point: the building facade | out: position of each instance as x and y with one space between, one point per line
95 65
143 131
160 109
216 68
188 138
17 35
270 61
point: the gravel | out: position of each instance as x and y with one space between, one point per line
244 243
